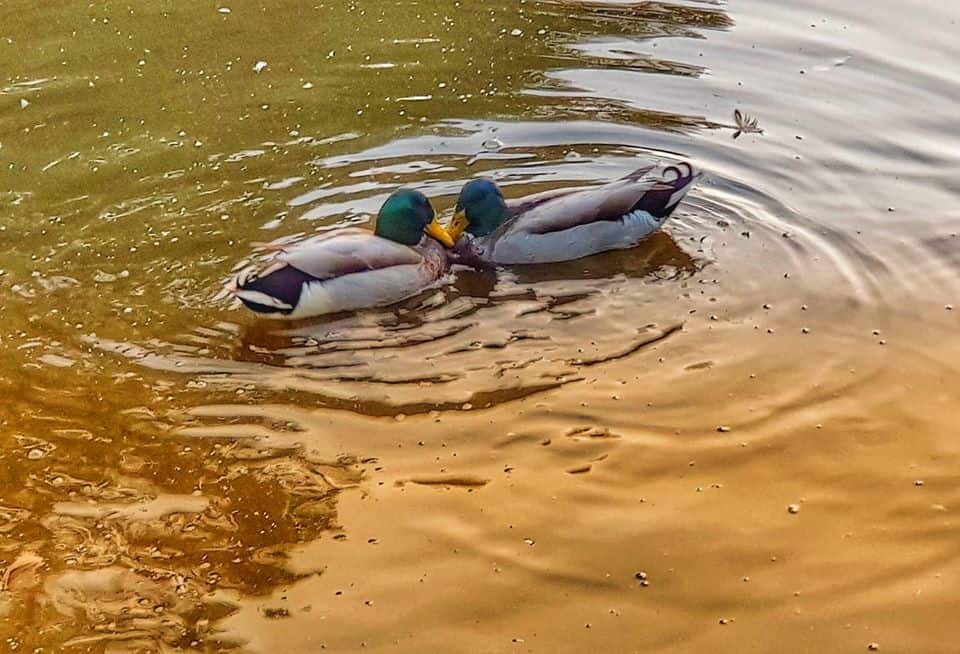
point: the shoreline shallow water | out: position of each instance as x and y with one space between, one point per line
753 408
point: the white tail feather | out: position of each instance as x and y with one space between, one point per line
262 298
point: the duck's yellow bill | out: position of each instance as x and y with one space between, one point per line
437 231
458 225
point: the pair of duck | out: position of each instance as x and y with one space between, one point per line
409 250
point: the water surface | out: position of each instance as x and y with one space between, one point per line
737 437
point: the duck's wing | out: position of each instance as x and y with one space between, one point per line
522 205
346 252
656 191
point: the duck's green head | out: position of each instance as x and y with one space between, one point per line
406 215
480 209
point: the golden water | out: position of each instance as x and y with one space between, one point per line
755 408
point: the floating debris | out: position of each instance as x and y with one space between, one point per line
259 66
746 124
590 431
447 480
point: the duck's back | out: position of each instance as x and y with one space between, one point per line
574 223
346 252
343 271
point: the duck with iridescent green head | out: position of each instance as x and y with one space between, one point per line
353 268
565 224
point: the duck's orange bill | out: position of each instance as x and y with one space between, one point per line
437 231
458 225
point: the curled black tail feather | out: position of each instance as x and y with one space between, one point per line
657 201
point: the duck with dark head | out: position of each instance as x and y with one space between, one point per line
565 224
353 268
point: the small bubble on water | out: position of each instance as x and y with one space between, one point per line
492 145
224 10
530 541
873 647
794 508
259 66
35 454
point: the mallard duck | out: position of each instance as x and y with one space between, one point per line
568 223
353 268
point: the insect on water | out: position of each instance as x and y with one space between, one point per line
746 124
